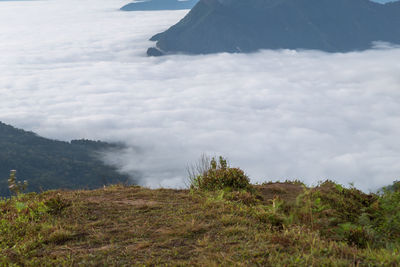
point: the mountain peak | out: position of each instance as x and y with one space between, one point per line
244 26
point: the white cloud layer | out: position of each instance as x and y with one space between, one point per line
78 69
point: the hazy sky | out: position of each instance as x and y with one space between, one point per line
77 69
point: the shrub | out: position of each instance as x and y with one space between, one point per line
385 213
243 197
338 213
15 186
358 235
56 205
59 237
217 175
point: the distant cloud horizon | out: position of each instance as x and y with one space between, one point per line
384 1
78 69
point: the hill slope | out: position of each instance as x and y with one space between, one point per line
133 226
244 26
49 164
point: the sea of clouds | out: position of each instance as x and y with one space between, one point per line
73 69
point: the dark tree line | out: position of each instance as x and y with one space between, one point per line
51 164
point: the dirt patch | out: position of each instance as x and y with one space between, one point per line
134 203
138 202
286 191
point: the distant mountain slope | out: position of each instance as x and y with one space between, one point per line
244 26
50 164
159 5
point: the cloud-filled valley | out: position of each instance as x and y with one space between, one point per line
78 69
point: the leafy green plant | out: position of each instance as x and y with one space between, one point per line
20 223
243 197
338 213
218 175
56 204
385 213
355 234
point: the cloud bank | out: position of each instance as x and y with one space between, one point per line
77 69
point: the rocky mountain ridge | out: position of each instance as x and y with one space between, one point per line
236 26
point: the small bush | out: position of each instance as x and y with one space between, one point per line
16 187
356 235
385 213
56 204
276 220
338 213
59 237
218 175
243 197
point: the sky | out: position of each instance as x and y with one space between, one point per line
72 69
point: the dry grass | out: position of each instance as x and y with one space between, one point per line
133 226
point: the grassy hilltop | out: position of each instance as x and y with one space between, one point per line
221 221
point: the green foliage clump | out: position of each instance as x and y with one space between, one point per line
242 197
335 212
26 225
272 213
384 214
56 205
332 204
349 215
220 176
394 187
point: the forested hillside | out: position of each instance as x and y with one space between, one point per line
50 164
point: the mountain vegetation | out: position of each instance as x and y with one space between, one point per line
50 164
219 221
244 26
148 5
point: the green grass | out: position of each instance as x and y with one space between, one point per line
276 224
